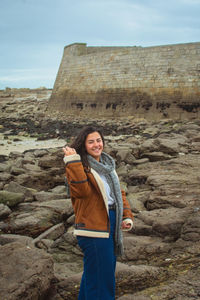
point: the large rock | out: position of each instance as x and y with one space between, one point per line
60 189
137 277
191 228
149 145
156 156
168 146
4 176
125 155
10 238
40 153
47 196
4 167
17 188
144 249
32 223
27 272
34 218
44 180
137 200
16 170
179 198
62 207
52 233
4 211
50 161
11 199
165 222
184 286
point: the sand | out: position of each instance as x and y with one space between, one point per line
25 143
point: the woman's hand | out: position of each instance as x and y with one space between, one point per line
126 225
68 151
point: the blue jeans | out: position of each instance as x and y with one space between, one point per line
98 279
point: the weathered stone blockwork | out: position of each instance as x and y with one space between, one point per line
118 81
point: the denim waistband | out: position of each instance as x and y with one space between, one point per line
112 206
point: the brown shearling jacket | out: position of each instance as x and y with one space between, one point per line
89 200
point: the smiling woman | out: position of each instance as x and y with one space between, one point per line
101 212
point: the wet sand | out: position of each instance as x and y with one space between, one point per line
26 143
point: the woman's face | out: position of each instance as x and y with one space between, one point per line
94 145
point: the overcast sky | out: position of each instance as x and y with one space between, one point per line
33 33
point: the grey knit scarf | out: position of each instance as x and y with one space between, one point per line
106 166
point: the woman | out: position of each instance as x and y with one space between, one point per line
101 211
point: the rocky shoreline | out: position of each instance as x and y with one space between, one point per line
159 167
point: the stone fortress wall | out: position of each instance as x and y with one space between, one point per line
150 82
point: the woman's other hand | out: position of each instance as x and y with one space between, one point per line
127 224
68 151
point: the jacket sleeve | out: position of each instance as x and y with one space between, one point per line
76 176
127 213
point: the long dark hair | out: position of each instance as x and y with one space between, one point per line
79 143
